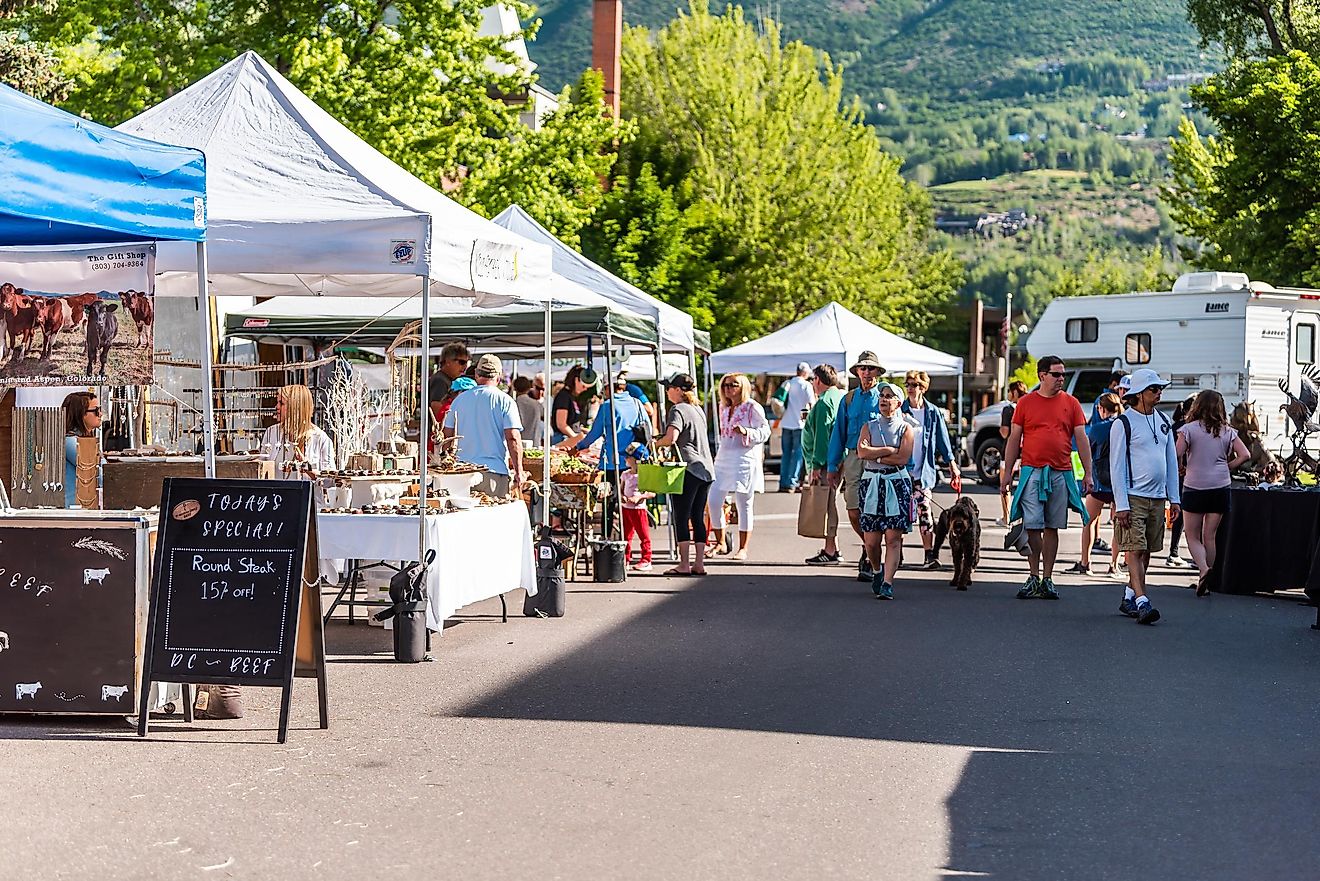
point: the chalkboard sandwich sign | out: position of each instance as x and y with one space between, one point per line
227 587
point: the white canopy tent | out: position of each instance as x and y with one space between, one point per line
299 205
836 336
675 326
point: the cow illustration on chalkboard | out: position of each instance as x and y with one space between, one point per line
29 689
97 575
113 691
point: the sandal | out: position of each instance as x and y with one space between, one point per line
1203 585
698 572
679 572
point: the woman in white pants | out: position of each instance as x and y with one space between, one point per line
738 462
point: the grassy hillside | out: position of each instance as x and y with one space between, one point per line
946 48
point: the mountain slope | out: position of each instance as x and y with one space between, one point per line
945 48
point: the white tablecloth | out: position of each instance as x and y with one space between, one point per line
479 554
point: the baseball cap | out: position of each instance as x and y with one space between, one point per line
898 392
1143 378
489 366
682 381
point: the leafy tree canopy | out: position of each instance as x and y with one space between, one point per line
1254 27
414 78
1253 194
26 65
796 201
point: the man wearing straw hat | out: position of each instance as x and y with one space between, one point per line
857 408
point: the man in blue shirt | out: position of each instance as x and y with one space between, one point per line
618 416
857 408
636 391
489 430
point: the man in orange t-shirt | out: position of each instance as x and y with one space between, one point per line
1046 425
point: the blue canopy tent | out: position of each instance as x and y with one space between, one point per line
67 181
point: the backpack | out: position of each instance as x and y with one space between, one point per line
1127 449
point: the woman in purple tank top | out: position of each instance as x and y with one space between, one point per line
1210 450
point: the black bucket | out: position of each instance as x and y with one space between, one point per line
609 561
549 599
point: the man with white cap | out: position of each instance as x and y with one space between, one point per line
1143 466
800 396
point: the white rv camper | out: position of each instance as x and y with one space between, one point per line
1215 330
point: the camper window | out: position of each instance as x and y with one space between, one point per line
1082 330
1137 350
1305 344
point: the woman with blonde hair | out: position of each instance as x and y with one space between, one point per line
1211 450
738 462
298 448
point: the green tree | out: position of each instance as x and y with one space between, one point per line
414 78
25 64
1252 196
810 207
554 173
1253 27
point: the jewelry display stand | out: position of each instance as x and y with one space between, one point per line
37 457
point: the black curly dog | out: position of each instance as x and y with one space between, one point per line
961 524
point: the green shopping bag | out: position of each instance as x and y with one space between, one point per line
661 479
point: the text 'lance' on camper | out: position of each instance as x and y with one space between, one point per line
1214 330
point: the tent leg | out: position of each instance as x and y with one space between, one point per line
612 436
545 428
958 414
425 421
661 408
208 362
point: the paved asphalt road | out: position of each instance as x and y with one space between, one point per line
769 721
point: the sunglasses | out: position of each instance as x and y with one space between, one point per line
96 410
890 396
913 384
1059 375
867 369
728 385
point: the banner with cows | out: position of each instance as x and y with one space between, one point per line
77 316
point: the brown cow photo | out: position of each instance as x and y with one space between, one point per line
76 339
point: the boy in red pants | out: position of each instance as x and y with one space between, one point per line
636 521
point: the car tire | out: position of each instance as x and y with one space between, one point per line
989 455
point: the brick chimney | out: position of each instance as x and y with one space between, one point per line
606 41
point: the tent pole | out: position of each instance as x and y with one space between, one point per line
545 429
208 362
958 414
661 402
425 421
613 436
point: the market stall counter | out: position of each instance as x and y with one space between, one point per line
134 481
479 553
73 601
1269 541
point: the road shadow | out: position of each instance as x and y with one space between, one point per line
1086 726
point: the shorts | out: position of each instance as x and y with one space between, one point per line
1205 501
494 485
851 471
921 511
902 521
1051 513
1102 497
1147 530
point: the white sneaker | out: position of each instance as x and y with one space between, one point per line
643 567
1177 562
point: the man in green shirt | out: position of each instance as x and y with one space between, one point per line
816 450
